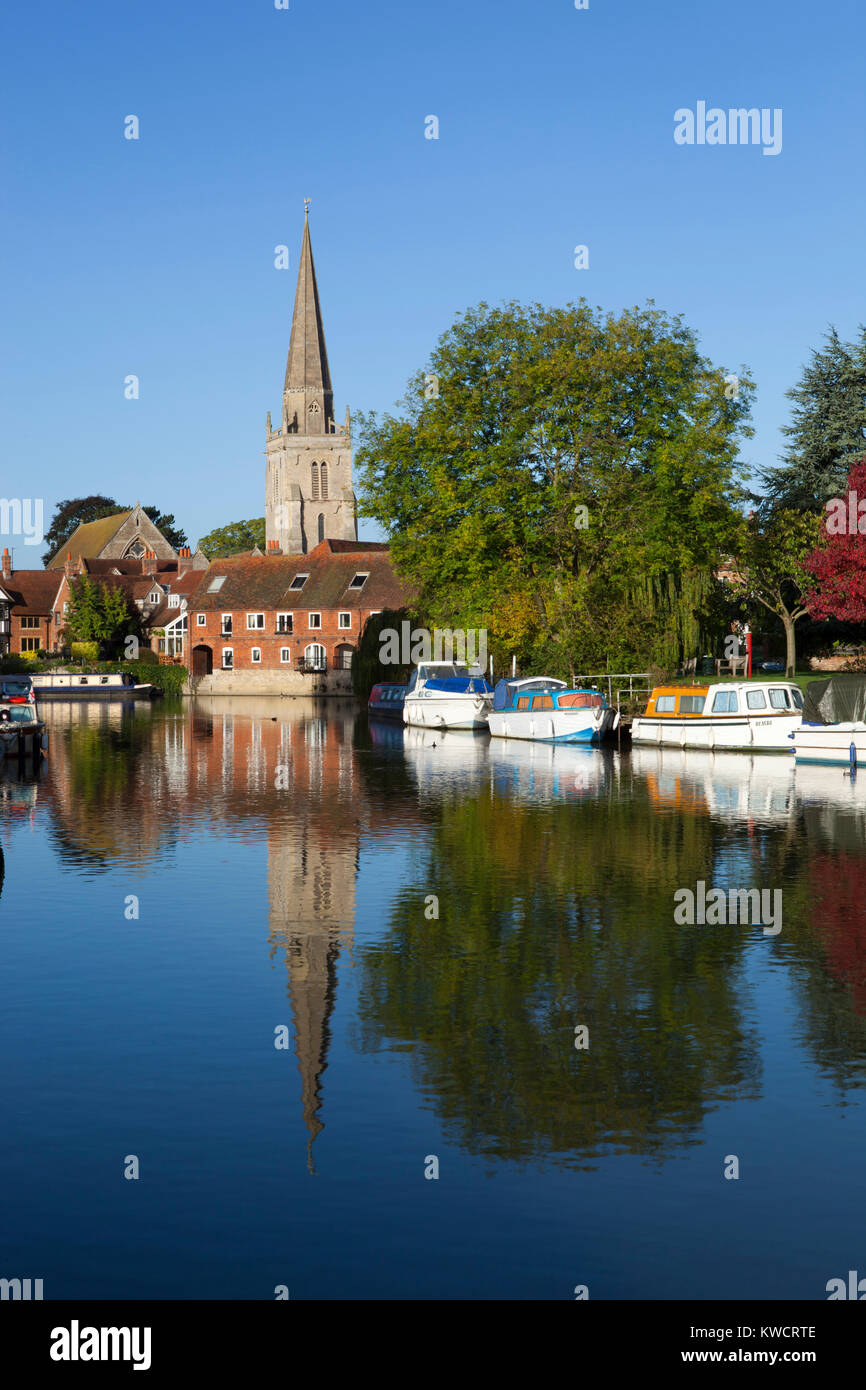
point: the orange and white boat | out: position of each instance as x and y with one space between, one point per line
757 716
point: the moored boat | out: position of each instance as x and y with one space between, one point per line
833 728
547 710
95 685
446 695
386 700
22 733
750 715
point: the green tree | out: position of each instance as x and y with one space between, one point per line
237 536
551 465
100 612
828 429
770 568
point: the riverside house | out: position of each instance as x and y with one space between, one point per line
288 615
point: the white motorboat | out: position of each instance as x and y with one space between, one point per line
547 710
756 716
447 695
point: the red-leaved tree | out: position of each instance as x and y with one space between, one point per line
838 564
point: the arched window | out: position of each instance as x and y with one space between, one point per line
323 473
315 470
314 656
321 527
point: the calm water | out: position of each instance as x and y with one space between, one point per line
281 857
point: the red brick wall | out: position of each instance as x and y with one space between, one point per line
242 641
16 632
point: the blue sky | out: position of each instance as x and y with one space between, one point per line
156 257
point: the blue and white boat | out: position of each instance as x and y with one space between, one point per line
540 707
447 695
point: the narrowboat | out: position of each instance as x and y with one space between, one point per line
22 732
750 715
547 710
447 695
68 685
386 701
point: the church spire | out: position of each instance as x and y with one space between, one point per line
308 399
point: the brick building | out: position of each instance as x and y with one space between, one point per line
290 612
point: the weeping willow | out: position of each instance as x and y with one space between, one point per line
670 619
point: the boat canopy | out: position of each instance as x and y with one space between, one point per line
460 685
506 689
836 700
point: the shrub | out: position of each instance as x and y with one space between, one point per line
84 651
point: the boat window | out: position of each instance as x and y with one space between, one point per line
524 701
422 673
103 680
542 702
579 699
82 680
755 699
666 704
692 704
725 702
779 699
797 697
412 682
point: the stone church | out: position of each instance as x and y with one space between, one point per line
309 496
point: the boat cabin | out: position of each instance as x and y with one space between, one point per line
757 699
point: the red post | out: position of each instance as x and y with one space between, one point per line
749 653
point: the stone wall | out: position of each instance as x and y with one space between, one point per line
285 682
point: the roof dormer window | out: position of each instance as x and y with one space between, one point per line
359 581
299 581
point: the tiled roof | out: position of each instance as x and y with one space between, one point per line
88 538
33 591
264 582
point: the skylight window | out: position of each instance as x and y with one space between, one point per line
359 581
299 581
216 583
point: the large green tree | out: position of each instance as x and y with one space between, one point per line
771 557
828 429
563 477
237 536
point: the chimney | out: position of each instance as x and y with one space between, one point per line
69 567
6 563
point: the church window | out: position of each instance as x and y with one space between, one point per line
315 481
314 620
323 480
321 525
256 656
299 581
314 407
359 581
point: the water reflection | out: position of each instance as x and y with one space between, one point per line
554 871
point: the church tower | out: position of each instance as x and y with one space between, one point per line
309 494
